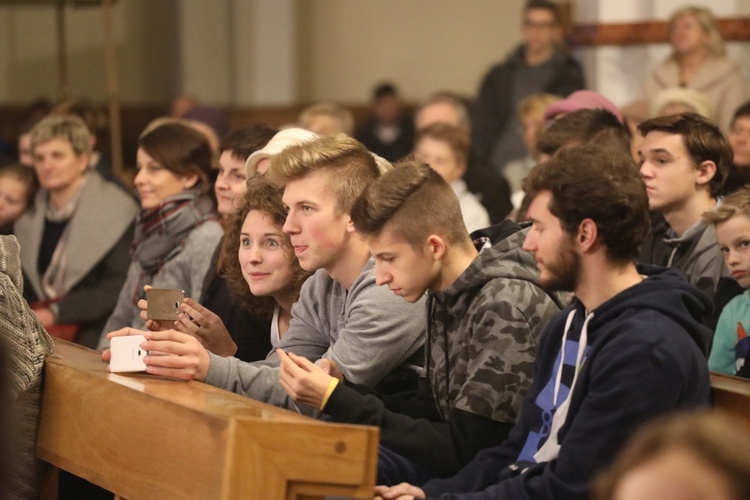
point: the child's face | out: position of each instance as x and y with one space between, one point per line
407 271
12 199
439 156
733 237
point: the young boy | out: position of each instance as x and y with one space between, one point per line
684 161
731 341
341 315
445 148
626 350
485 313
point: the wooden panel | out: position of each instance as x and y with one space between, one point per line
148 437
583 35
732 394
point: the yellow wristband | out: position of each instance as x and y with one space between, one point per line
331 386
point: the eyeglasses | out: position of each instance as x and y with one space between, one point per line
538 25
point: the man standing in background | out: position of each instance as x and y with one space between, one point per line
539 64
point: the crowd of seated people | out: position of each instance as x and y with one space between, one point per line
504 350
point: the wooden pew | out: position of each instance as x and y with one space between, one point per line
141 436
731 394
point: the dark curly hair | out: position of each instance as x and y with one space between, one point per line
264 197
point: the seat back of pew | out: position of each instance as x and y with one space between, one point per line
732 394
141 436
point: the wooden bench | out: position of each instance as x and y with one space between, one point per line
141 436
732 394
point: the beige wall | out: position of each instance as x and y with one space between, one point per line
423 45
343 47
146 35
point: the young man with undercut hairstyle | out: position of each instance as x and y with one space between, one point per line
627 349
684 161
342 316
485 313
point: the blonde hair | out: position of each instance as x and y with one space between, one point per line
737 203
342 115
351 166
715 438
707 20
535 104
695 100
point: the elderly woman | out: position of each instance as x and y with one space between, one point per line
75 239
177 230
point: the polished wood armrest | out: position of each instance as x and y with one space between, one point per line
141 436
731 394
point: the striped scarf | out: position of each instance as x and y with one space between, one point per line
161 232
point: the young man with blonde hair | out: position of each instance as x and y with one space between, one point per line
485 313
342 316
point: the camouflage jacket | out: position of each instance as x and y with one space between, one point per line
483 340
484 330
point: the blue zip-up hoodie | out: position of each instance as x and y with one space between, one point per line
644 356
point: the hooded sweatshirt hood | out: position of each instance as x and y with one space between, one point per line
503 274
666 291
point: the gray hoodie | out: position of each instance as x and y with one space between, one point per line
367 331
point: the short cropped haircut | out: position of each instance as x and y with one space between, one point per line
350 166
737 203
602 183
715 438
180 149
583 126
742 112
702 139
264 197
415 202
243 142
544 5
67 127
456 138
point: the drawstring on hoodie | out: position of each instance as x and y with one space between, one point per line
671 256
582 341
551 448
